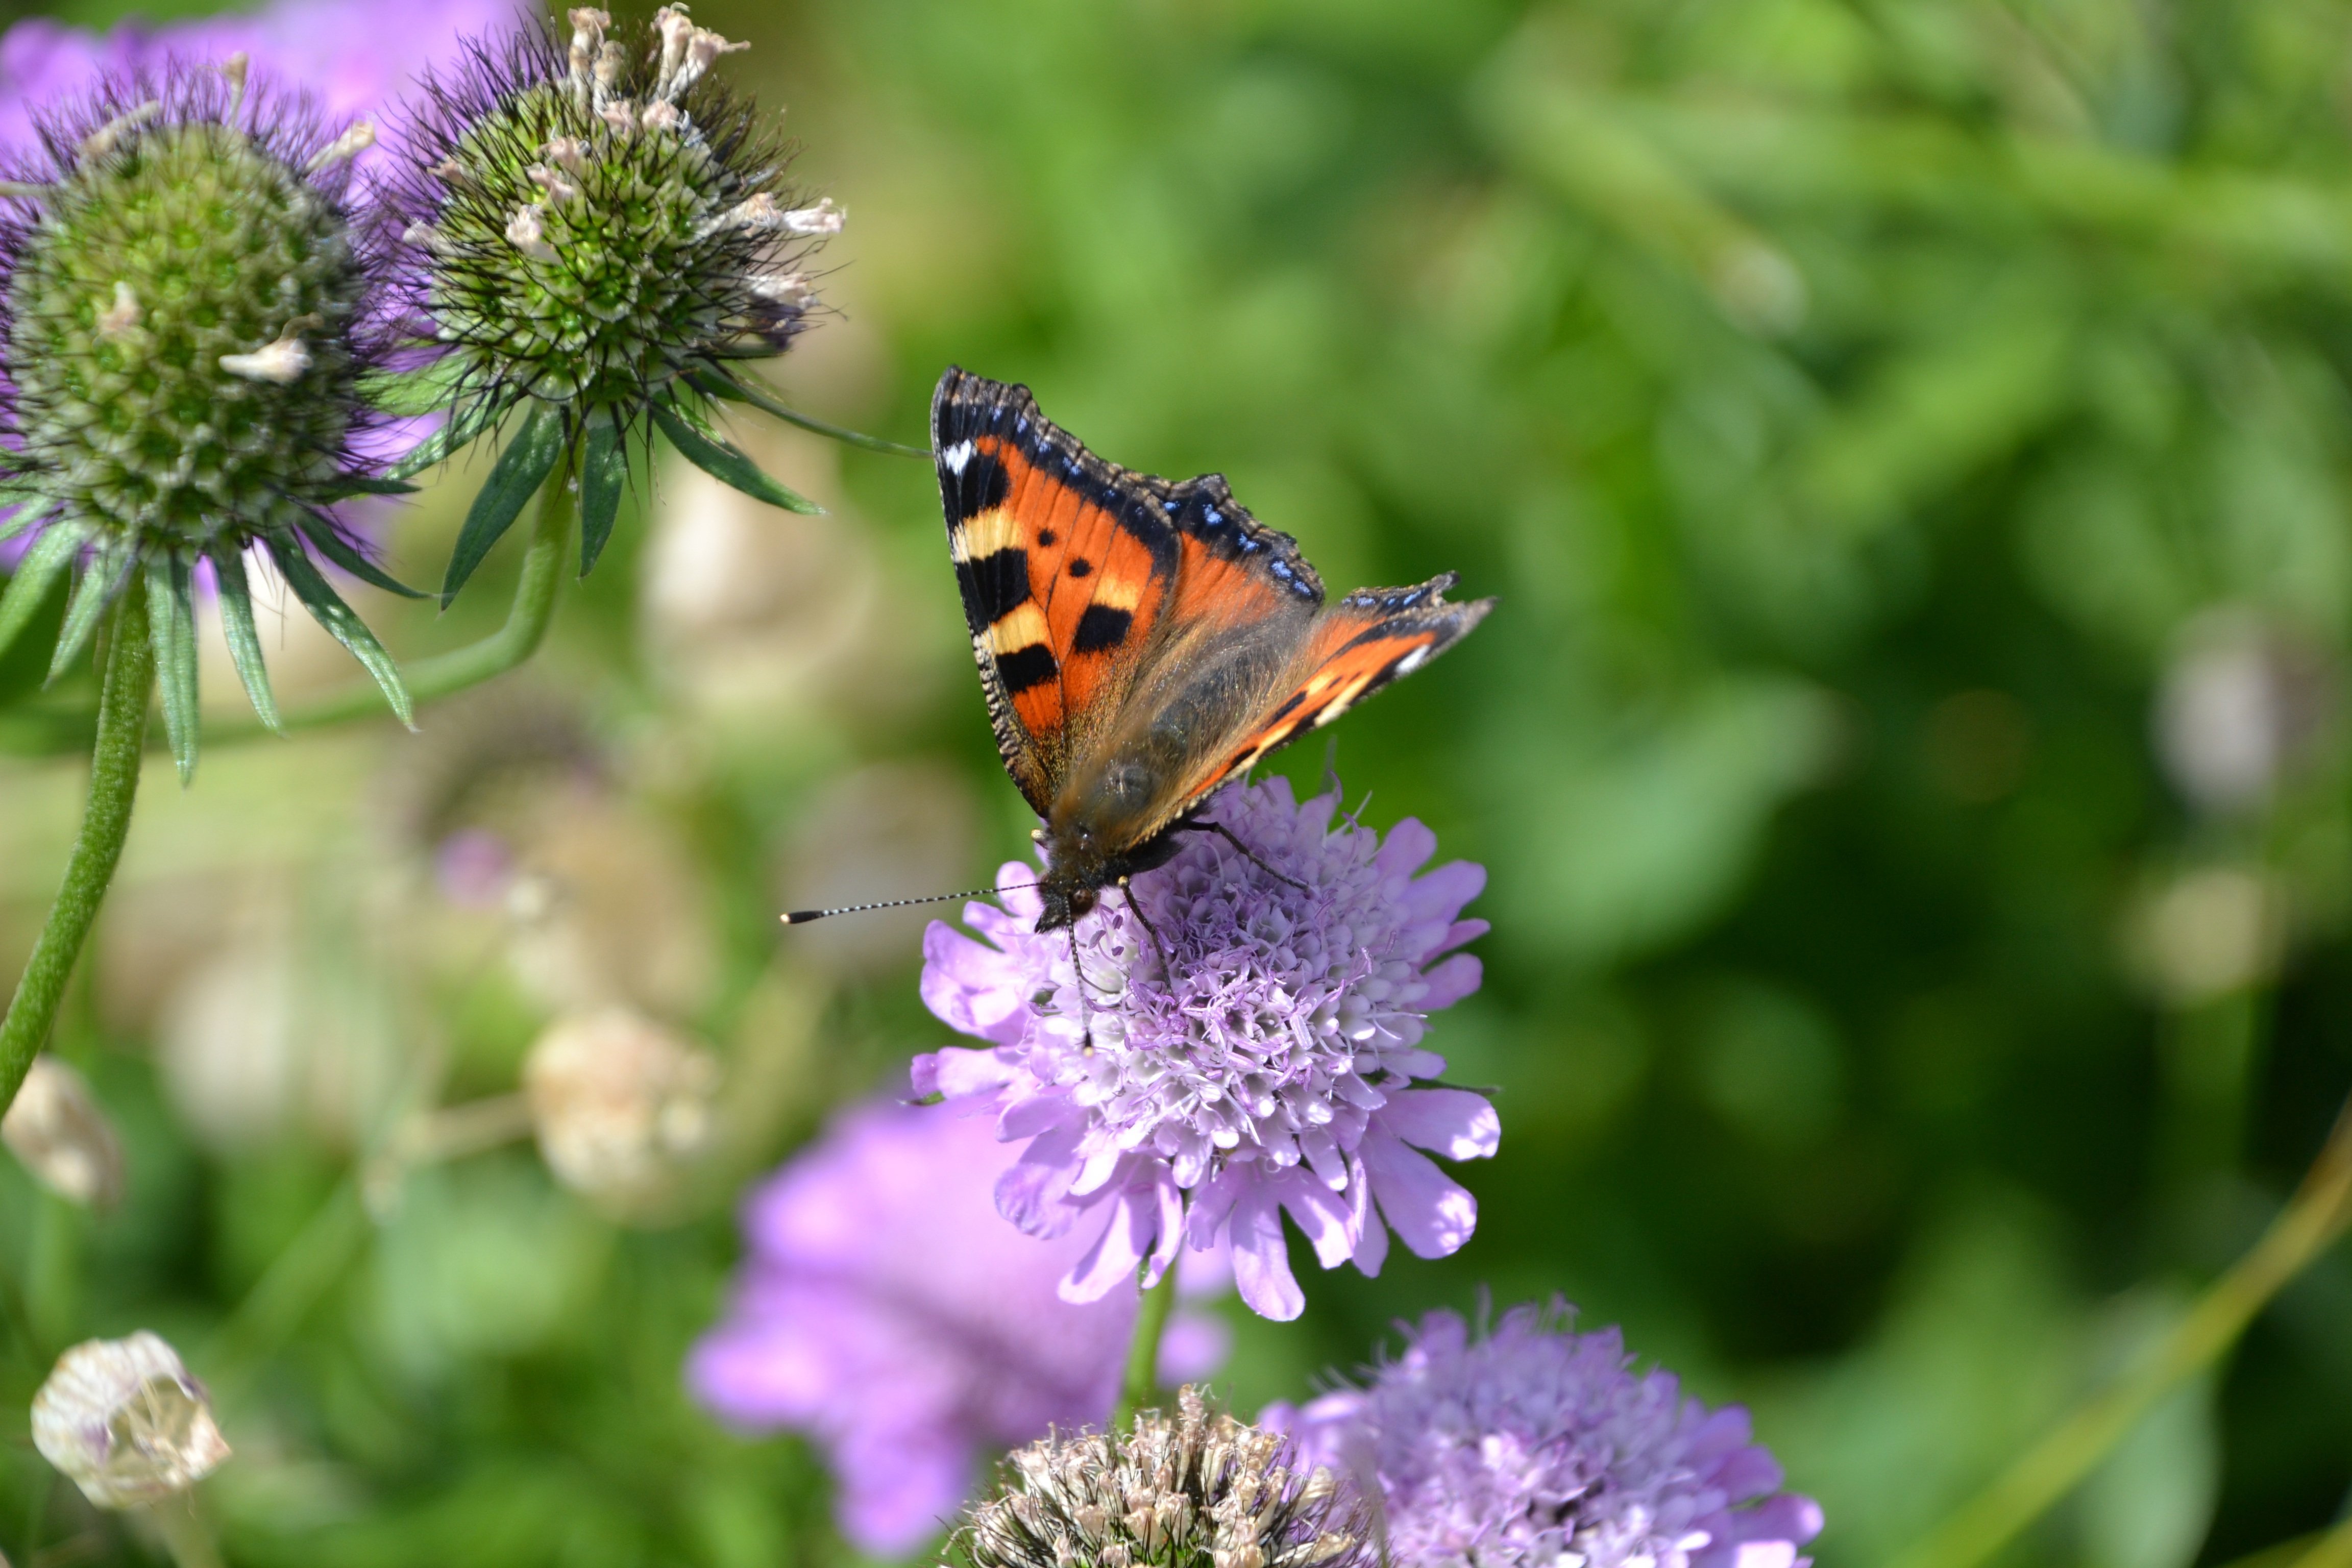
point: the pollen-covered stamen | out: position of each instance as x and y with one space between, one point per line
660 115
612 63
103 140
121 317
525 232
281 362
676 30
621 115
702 47
559 189
343 147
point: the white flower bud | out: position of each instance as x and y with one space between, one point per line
558 188
349 146
569 153
56 1129
620 1105
124 1421
660 115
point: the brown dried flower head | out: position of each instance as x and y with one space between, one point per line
1202 1490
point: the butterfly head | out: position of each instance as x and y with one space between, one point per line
1076 871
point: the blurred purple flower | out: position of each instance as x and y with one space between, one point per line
351 56
1274 1075
886 1311
1536 1446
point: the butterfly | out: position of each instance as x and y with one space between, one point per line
1141 641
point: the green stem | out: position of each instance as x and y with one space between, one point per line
2046 1472
187 1534
296 1281
1140 1388
114 759
53 1273
444 674
2333 1550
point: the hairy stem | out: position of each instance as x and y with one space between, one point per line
2046 1472
447 673
1141 1387
125 688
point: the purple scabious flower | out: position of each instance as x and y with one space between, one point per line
1270 1067
1534 1447
884 1310
341 52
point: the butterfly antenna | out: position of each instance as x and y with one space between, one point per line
803 917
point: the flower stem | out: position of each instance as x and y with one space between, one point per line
2314 1217
1141 1387
123 693
187 1535
445 673
2333 1550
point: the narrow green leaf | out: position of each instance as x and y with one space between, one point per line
718 385
366 485
102 577
172 630
244 637
521 469
330 541
28 505
467 422
328 608
604 470
409 393
51 553
724 463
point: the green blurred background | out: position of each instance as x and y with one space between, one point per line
1910 440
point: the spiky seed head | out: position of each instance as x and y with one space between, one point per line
1198 1491
181 314
593 218
190 311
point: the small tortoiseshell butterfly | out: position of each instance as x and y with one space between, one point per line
1140 642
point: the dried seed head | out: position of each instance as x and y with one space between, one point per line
1166 1494
622 1106
124 1421
583 188
64 1139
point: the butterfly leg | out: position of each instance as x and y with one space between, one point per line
1127 886
1248 853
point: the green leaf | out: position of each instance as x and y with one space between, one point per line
51 553
341 622
330 541
409 393
244 637
366 485
604 470
724 463
172 630
720 384
102 577
521 469
464 425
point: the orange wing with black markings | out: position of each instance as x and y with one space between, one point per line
1065 562
1358 646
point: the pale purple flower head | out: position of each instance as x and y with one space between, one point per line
351 56
886 1311
1534 1446
1271 1068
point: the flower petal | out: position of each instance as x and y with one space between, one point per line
1432 1214
1407 844
1031 1192
1453 1122
1451 981
1321 1212
1262 1257
1371 1235
1111 1261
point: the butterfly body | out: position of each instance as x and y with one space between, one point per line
1141 640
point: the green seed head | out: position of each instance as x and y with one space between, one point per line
179 334
598 220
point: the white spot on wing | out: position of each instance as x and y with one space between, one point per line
1412 660
955 457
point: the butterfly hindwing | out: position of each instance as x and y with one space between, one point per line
1065 561
1355 647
